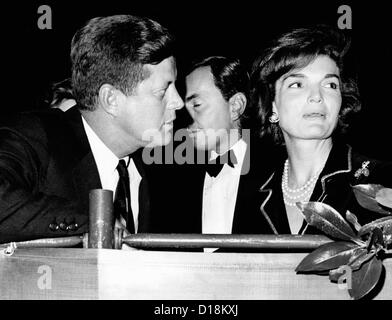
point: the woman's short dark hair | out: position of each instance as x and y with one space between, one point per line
295 50
113 50
229 75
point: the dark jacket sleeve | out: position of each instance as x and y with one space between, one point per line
25 211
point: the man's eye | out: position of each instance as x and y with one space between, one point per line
196 105
161 93
295 85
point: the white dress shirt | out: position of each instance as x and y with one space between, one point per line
220 194
107 162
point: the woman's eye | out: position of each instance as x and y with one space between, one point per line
332 85
295 85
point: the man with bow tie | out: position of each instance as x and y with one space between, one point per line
216 99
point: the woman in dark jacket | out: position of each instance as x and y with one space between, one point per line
303 98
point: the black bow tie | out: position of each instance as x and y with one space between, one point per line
215 166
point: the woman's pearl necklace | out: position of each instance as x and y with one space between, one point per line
291 196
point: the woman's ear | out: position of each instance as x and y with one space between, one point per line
109 99
274 108
237 105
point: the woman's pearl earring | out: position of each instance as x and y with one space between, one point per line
274 118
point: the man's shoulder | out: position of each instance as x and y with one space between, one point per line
43 130
30 121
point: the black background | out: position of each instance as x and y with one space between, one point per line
32 58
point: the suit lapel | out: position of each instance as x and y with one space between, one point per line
336 169
85 172
258 209
86 178
272 207
333 187
144 218
246 219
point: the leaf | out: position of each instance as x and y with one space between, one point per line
384 223
359 257
384 197
328 256
352 218
326 219
366 278
387 240
366 197
376 239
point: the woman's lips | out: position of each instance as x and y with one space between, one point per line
314 115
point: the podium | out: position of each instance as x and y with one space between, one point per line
73 273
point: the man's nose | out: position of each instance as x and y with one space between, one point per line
175 102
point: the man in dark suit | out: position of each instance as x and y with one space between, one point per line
123 79
221 197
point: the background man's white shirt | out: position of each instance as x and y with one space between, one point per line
220 194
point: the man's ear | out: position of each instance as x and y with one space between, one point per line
237 105
109 98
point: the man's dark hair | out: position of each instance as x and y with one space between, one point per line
59 91
295 50
229 75
113 50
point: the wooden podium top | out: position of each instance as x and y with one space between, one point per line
52 273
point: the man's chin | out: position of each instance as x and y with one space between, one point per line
160 140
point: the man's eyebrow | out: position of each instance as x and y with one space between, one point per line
193 96
164 84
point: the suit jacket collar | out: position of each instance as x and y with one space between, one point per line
144 217
337 167
336 171
272 206
258 164
77 132
84 169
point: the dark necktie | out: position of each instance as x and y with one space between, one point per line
122 198
215 166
